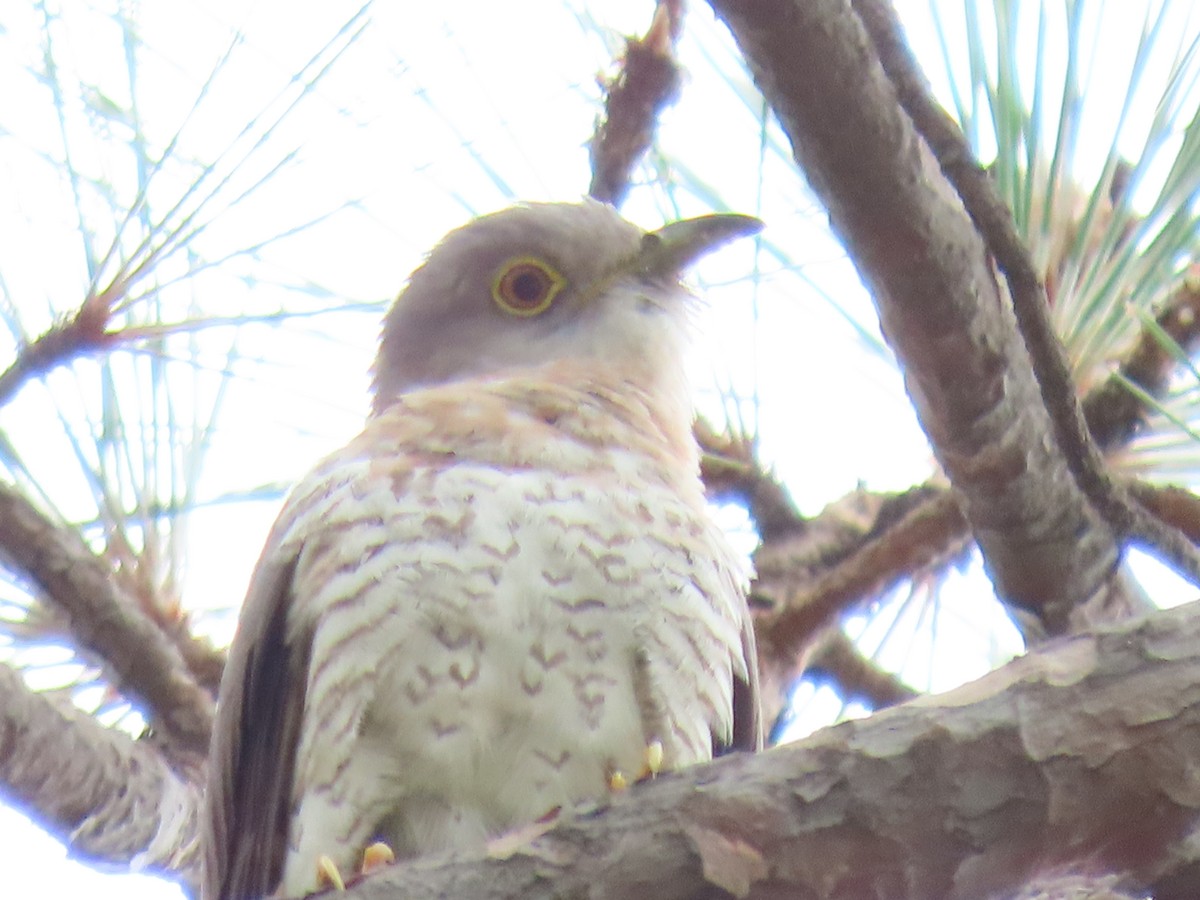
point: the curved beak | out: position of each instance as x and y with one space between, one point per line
669 251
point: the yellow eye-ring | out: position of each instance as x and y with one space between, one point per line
526 286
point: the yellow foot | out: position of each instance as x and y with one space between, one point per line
654 759
328 875
617 781
378 856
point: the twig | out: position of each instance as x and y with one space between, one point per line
1176 506
647 83
84 332
925 535
1112 411
992 218
144 662
857 677
729 468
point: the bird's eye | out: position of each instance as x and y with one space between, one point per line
526 286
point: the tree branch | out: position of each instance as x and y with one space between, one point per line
1176 506
730 469
111 799
143 663
647 83
1112 411
857 677
84 332
918 540
1039 767
994 222
965 367
858 547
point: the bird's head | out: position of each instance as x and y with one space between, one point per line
542 283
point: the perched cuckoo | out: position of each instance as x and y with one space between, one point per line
505 596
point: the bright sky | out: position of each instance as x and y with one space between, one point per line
436 113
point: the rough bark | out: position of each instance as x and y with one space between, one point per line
1080 757
965 367
112 799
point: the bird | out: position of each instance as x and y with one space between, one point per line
506 596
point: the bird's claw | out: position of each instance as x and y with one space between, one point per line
328 875
378 856
653 760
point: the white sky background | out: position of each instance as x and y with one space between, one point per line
393 139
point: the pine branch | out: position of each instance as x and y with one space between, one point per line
921 538
648 82
857 677
83 333
857 548
1112 411
1176 506
142 661
965 367
992 218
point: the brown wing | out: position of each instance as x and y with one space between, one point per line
747 708
747 701
251 763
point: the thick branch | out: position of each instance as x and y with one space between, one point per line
143 662
1081 756
966 369
110 798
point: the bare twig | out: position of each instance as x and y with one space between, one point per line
648 82
142 661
